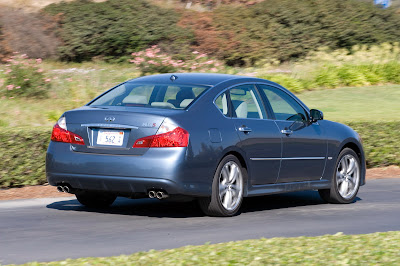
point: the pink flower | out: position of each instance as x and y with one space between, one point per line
26 79
214 69
40 70
39 60
18 87
195 52
10 87
47 80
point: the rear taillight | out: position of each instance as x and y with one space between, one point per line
168 135
61 134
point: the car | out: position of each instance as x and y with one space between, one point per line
214 138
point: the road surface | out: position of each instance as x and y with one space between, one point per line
56 229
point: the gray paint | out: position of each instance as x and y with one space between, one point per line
189 171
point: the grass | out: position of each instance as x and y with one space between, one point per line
73 85
374 103
339 249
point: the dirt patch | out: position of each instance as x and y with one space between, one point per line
32 192
383 172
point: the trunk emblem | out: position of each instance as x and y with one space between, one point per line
109 119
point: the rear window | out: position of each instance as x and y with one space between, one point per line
151 95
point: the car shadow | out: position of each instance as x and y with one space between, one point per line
190 209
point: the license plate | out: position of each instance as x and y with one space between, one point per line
110 137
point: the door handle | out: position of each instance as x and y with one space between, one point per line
286 131
245 129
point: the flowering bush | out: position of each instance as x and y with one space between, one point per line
153 61
24 77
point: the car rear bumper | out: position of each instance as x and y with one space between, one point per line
164 169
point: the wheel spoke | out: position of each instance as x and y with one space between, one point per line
339 177
233 174
344 187
344 166
351 166
225 175
222 191
227 200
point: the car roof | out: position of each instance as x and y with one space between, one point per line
188 78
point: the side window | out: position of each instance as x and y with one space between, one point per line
222 103
246 102
283 105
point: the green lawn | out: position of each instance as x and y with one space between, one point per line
375 103
370 249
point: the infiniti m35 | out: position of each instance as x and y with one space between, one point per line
210 137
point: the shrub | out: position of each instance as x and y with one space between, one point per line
22 155
153 61
24 77
23 151
290 29
115 28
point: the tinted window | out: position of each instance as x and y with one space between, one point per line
283 105
246 102
151 95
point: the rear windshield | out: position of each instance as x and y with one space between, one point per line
151 95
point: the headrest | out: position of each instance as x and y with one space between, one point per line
185 103
135 99
163 105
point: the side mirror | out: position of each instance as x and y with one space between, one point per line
316 115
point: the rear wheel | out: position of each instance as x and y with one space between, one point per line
227 189
346 179
95 199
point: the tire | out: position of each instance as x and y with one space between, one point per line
95 199
227 189
345 180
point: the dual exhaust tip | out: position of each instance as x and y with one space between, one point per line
65 189
158 194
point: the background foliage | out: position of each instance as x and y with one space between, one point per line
23 151
115 28
238 32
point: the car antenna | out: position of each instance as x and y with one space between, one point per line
173 78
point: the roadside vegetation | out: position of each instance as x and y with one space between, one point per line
339 249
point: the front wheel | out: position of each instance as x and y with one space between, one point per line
95 199
346 179
227 189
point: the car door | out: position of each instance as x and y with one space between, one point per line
304 147
259 135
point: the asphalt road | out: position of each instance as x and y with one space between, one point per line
56 229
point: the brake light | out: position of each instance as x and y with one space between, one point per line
61 134
174 136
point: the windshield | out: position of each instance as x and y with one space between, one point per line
176 96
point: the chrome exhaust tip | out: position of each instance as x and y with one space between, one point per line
152 194
161 195
66 189
60 189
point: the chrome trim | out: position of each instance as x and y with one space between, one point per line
265 159
116 126
292 158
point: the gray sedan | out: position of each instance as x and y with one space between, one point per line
210 137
